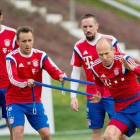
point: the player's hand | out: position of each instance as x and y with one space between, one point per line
74 104
30 83
96 98
127 65
61 76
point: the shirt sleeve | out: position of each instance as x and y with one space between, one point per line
51 68
76 57
133 63
137 71
13 75
76 73
116 45
15 45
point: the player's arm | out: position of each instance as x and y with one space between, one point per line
130 64
52 69
76 72
12 73
76 62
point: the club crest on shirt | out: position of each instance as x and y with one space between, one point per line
7 42
35 63
89 122
11 120
116 71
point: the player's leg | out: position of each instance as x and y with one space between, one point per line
95 119
11 136
120 124
112 133
18 132
97 133
109 108
123 137
4 112
15 114
39 120
135 117
45 133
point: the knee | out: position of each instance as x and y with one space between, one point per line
109 136
97 133
17 135
46 136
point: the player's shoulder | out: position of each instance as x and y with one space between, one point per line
8 29
13 53
38 51
107 36
119 55
80 42
111 38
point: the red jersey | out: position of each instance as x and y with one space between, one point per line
7 44
20 68
85 54
121 82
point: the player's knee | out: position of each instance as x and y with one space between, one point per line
17 135
46 136
97 132
109 136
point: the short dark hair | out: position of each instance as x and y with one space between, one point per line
24 29
0 12
89 16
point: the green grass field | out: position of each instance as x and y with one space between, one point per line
84 136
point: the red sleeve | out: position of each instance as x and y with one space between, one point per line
137 71
76 60
135 64
51 68
13 75
115 44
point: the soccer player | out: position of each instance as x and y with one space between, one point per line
7 44
24 65
118 72
84 55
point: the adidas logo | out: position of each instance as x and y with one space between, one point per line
103 75
20 65
85 52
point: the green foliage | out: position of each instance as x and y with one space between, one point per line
129 4
102 5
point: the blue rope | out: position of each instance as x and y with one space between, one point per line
63 92
60 88
78 81
34 104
